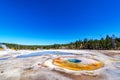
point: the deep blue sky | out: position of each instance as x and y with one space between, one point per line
57 21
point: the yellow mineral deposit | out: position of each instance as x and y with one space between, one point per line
77 66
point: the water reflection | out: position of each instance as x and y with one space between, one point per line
43 53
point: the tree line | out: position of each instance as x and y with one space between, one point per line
107 43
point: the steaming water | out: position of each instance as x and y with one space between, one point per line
4 47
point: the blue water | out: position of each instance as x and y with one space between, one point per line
39 54
42 53
74 60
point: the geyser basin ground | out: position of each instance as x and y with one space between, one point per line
41 65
